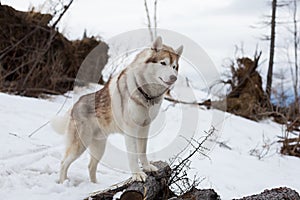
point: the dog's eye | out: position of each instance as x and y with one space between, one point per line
163 63
174 67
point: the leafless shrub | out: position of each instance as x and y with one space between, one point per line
263 150
291 138
179 181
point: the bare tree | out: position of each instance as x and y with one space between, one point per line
279 89
155 19
292 49
295 42
149 20
150 27
272 49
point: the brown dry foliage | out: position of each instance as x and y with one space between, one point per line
247 97
291 146
35 58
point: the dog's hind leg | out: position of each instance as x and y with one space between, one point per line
72 153
97 148
74 149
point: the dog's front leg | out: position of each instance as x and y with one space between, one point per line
131 144
142 141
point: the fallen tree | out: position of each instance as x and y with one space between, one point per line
36 59
171 182
156 188
246 97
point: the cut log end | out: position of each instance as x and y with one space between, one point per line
132 195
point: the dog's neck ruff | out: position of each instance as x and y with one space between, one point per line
147 96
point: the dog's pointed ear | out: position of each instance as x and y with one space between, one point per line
179 50
157 44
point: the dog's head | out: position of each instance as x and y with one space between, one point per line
160 64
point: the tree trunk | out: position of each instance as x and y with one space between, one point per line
272 49
296 40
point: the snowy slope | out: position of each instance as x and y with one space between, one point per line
30 166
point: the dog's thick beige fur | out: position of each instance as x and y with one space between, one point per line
127 104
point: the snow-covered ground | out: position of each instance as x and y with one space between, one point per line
30 165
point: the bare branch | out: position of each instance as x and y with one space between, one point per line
179 171
155 19
66 7
149 21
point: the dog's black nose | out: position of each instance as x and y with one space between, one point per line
173 78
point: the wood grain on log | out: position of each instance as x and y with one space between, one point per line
154 186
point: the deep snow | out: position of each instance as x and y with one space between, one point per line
30 166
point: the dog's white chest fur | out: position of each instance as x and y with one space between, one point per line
142 116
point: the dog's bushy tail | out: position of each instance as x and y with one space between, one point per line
60 123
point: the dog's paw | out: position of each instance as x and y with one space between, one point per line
150 168
139 176
62 180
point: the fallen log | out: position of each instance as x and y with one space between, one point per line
196 194
281 193
154 186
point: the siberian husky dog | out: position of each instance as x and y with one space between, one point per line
127 104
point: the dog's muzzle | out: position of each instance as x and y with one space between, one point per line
171 80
